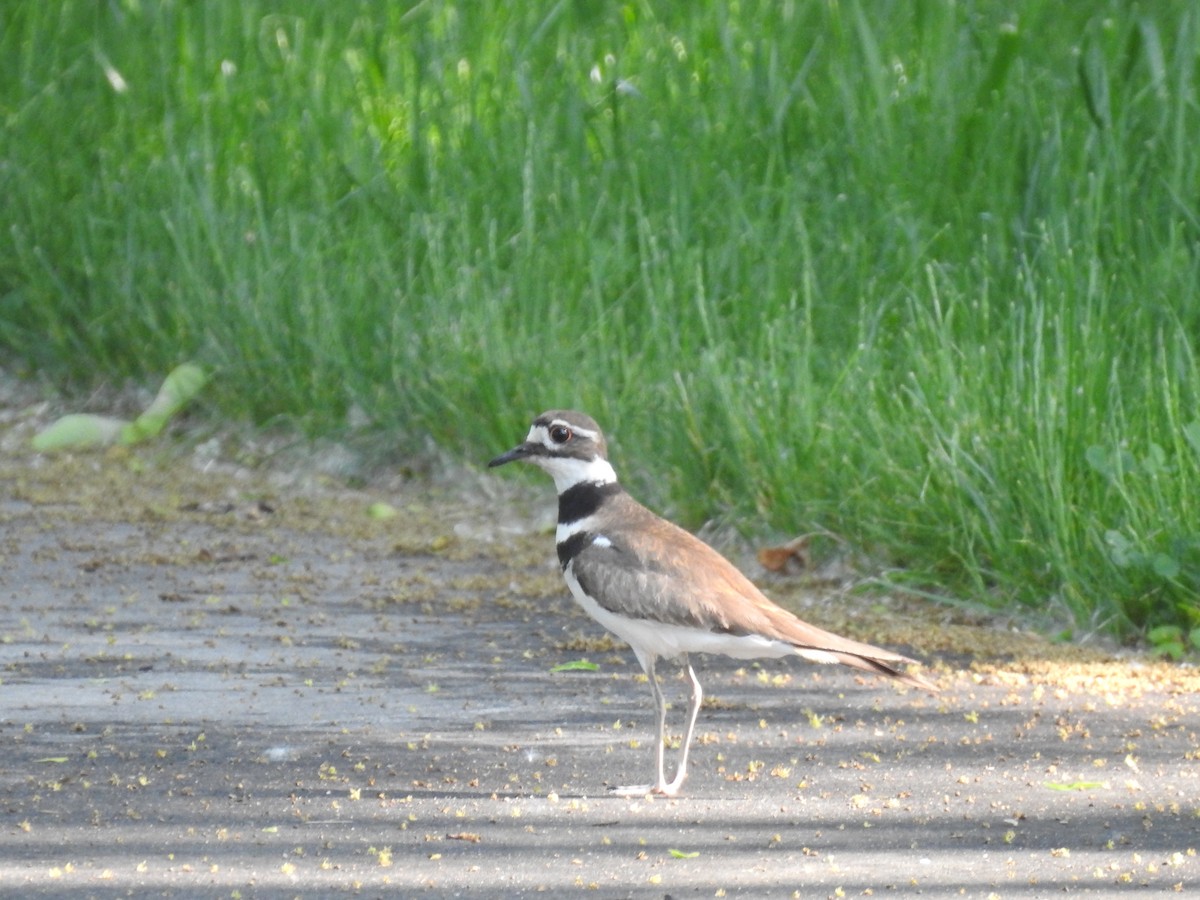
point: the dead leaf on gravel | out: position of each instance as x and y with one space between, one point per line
794 553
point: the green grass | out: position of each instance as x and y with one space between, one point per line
920 275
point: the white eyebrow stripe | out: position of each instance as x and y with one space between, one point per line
583 432
540 434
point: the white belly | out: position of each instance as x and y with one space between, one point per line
667 640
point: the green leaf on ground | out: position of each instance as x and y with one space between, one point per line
1073 785
178 389
576 665
382 510
80 430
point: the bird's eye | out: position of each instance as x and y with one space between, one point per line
560 434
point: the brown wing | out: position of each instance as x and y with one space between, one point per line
660 572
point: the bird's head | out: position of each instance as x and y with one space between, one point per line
569 445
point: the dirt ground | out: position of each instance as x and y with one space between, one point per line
230 681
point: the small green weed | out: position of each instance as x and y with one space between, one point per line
1173 642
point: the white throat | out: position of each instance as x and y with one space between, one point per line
568 472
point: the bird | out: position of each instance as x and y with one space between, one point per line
660 588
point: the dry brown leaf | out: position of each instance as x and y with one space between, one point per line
777 559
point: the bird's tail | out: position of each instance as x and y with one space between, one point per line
893 666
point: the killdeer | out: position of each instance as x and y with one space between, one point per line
660 589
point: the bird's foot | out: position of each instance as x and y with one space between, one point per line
643 790
632 790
